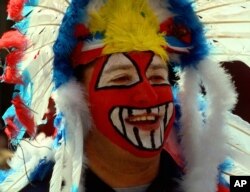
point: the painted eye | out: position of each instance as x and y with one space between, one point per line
122 80
157 79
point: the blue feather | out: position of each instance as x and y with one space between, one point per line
23 25
4 174
42 169
186 15
66 42
60 126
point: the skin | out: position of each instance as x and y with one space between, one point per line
5 154
130 169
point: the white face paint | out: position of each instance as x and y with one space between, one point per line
144 128
119 71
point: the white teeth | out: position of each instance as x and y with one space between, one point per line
145 139
141 138
142 118
116 120
162 130
150 118
139 112
157 137
162 109
170 112
155 110
129 128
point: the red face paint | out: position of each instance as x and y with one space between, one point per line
131 101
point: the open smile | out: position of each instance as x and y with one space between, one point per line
144 128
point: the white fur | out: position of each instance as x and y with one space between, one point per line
208 148
190 119
70 101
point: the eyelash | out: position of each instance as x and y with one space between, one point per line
121 79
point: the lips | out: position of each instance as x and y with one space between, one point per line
144 128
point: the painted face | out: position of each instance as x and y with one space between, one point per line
131 101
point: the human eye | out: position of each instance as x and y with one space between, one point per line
118 71
157 79
121 79
157 76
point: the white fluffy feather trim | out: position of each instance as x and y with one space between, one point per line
70 101
204 139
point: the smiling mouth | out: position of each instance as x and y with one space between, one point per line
144 128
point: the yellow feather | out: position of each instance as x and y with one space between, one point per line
128 26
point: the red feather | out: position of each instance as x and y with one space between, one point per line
11 129
81 31
24 115
49 128
15 8
15 41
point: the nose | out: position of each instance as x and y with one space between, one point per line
145 94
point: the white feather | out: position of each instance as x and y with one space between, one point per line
238 140
70 100
227 24
41 32
25 160
207 144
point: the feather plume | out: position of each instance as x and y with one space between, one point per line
203 155
11 129
227 25
25 160
69 100
15 8
16 42
25 115
238 142
124 35
62 171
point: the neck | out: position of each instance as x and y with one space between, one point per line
110 162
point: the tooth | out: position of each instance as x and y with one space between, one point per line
162 109
152 138
116 120
169 112
145 139
139 111
137 136
151 118
158 138
155 110
162 130
129 131
143 118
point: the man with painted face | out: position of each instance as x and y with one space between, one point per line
130 101
131 104
117 118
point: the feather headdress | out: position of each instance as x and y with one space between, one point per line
51 38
